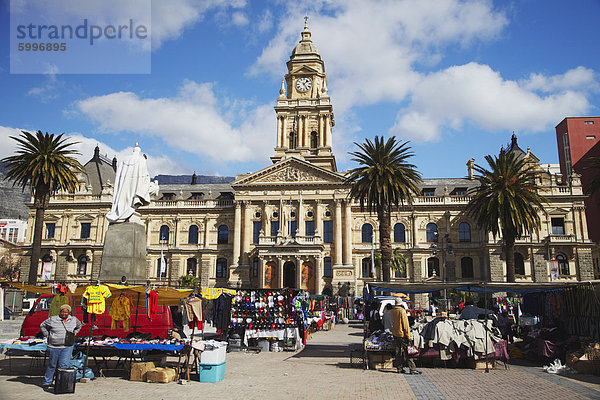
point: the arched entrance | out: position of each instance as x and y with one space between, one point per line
289 274
307 280
270 275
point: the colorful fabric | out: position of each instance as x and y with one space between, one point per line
96 296
57 302
120 310
214 293
151 304
193 309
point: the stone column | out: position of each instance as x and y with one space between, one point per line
321 131
413 223
338 233
318 273
237 233
298 262
300 218
206 230
348 234
318 219
284 132
279 138
247 233
328 131
176 233
280 263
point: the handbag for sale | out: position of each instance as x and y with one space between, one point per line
69 338
412 350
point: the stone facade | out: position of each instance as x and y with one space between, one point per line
291 224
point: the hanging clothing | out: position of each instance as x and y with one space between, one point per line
222 313
57 302
193 309
96 296
151 303
120 310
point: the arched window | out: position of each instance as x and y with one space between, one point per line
466 267
433 265
366 268
164 233
399 233
314 140
464 232
519 264
431 232
563 264
223 235
367 233
192 266
193 235
82 265
221 268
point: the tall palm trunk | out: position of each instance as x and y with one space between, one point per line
383 215
42 198
509 247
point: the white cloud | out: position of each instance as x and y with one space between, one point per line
579 78
239 19
49 90
195 121
265 22
376 52
157 164
477 93
170 17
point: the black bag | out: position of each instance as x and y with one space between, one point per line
65 380
69 338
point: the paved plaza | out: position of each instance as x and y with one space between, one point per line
321 371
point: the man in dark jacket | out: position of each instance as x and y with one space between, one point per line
59 353
401 332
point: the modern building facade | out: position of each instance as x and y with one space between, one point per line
292 224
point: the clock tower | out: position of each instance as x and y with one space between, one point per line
304 111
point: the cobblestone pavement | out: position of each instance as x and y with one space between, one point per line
321 371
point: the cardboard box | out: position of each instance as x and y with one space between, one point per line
380 360
139 371
161 375
480 364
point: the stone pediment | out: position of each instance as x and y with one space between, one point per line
305 69
558 211
291 171
85 217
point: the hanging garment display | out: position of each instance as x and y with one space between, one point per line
151 303
57 302
96 296
193 309
120 310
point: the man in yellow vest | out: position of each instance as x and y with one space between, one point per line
401 332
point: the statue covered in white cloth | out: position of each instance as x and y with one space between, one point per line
133 188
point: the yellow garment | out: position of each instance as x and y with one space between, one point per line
120 310
96 295
213 293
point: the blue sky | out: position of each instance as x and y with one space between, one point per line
456 78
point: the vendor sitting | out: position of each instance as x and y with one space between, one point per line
60 331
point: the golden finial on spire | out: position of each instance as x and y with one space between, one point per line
305 22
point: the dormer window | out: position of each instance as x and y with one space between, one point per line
226 196
197 196
168 196
428 192
459 191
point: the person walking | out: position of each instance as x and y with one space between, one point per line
60 331
401 333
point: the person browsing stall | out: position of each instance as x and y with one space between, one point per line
60 331
401 333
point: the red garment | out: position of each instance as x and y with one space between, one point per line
151 303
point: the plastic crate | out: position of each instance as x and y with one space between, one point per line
216 356
211 373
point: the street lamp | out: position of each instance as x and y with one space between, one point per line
443 245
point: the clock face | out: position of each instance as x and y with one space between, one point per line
303 84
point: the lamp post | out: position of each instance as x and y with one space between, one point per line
443 245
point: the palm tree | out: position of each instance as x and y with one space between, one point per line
383 181
43 162
506 201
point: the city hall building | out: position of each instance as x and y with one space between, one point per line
292 223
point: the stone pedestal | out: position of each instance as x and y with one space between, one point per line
124 253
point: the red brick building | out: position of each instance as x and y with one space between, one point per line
578 139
